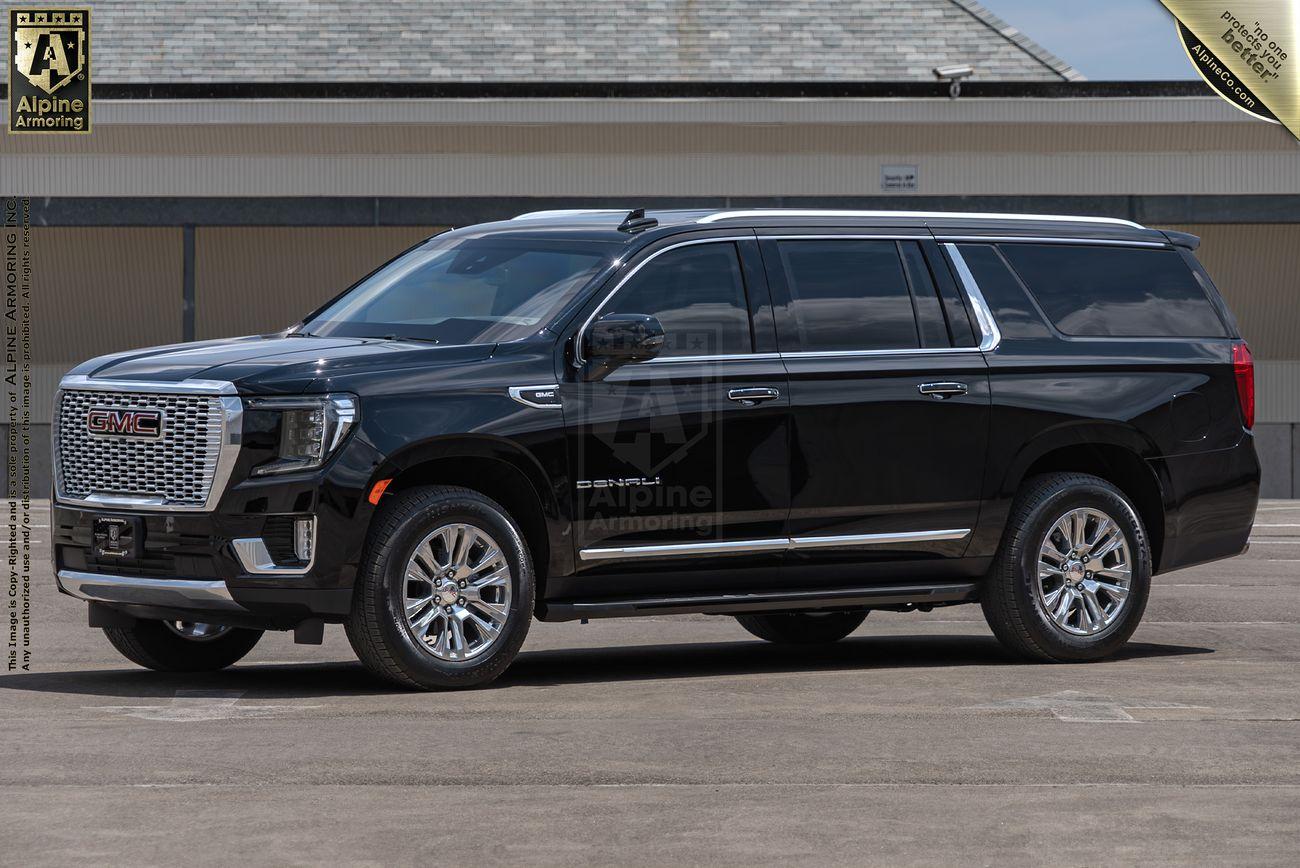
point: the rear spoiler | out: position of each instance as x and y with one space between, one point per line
1182 239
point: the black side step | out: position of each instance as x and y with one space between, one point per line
763 601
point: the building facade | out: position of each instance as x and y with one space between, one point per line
236 195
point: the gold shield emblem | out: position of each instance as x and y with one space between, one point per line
50 48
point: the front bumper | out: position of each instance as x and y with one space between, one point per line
188 566
185 594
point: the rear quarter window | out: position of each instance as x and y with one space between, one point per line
1101 291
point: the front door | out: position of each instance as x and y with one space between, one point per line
680 463
889 411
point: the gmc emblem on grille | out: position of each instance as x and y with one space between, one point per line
125 423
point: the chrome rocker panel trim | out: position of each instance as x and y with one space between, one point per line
165 593
776 544
232 434
820 599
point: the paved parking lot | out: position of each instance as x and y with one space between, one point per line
684 740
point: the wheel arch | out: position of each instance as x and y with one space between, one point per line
499 469
1117 453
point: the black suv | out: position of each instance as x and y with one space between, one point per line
790 417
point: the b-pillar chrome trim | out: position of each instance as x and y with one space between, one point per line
231 437
990 335
776 544
168 593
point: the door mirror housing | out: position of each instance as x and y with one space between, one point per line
619 338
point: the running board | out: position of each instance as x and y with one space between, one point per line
764 601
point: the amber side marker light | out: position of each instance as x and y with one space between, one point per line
378 491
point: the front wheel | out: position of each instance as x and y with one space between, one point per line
802 628
182 646
1071 580
446 594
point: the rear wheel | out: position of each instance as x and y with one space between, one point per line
1072 578
446 594
182 646
802 628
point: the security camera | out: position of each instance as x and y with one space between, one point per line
949 73
953 75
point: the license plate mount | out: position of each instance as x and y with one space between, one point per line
117 537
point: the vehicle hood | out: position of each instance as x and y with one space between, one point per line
271 363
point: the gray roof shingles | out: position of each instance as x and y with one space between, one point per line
152 41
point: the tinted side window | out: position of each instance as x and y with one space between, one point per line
849 295
929 313
1115 291
1014 313
698 294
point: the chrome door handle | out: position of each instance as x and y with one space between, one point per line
750 397
939 391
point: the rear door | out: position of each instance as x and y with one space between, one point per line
681 462
889 396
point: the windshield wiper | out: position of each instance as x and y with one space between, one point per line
410 339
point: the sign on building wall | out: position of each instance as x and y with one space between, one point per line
900 179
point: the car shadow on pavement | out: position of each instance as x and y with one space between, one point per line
640 662
572 666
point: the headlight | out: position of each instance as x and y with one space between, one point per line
311 428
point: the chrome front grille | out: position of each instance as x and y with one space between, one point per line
175 470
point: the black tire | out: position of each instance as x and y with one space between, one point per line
1012 604
377 626
802 628
154 645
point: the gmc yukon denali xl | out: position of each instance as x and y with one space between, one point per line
789 417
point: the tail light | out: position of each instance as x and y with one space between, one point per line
1243 368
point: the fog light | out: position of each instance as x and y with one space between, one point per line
304 530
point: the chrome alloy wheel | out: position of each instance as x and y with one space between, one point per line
1084 572
457 592
195 631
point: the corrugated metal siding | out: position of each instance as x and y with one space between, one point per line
684 174
259 280
1257 269
98 290
1277 391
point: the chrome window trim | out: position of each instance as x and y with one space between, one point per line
775 544
231 438
256 559
928 215
172 593
578 360
1045 239
728 357
849 354
517 393
991 335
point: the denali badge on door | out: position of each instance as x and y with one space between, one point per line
117 537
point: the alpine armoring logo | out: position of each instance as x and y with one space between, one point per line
122 422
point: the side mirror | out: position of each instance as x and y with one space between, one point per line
618 338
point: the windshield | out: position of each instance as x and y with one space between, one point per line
465 291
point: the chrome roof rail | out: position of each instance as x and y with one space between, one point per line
568 212
934 215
